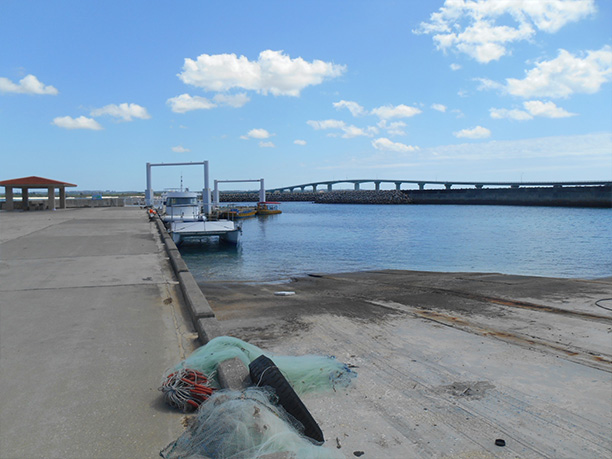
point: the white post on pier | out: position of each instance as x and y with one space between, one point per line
262 191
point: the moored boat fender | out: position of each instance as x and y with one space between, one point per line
263 373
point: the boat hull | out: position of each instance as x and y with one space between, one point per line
226 230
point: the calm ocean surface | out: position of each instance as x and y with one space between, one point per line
332 238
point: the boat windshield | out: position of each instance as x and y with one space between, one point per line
182 202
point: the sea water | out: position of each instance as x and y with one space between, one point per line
310 238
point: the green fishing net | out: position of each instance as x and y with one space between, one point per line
305 373
244 425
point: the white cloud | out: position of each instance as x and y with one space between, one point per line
27 85
257 134
400 111
266 144
383 143
180 149
126 112
354 131
273 72
299 142
353 107
232 100
393 128
326 124
546 109
455 67
478 132
501 113
483 29
439 107
533 108
186 103
565 75
349 131
81 122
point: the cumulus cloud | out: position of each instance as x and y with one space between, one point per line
186 103
565 75
353 107
257 134
273 72
81 122
180 149
27 85
299 142
439 107
383 143
546 109
393 128
399 111
348 131
478 132
514 114
126 112
326 124
232 100
483 29
533 108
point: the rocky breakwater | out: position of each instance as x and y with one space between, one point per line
362 197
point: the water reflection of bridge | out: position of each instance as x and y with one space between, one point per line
421 184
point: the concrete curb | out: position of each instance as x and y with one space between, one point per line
233 374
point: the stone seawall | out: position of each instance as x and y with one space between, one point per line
569 196
577 196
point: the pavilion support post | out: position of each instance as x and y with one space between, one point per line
51 201
9 204
25 198
62 202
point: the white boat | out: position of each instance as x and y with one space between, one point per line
183 217
181 206
227 230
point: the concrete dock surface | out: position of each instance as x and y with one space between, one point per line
447 363
90 319
91 316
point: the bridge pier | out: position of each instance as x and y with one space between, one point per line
421 185
356 186
329 187
377 186
514 185
478 186
314 187
448 186
398 186
302 188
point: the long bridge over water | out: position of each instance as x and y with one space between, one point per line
422 183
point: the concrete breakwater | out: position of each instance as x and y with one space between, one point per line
570 196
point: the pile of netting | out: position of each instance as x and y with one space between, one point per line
186 389
244 425
307 373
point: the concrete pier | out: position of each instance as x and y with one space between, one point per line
90 318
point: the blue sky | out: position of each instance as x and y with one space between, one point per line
302 91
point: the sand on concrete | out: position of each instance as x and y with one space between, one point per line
447 362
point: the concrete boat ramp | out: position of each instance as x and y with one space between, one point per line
448 363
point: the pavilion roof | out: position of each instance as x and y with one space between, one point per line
34 182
